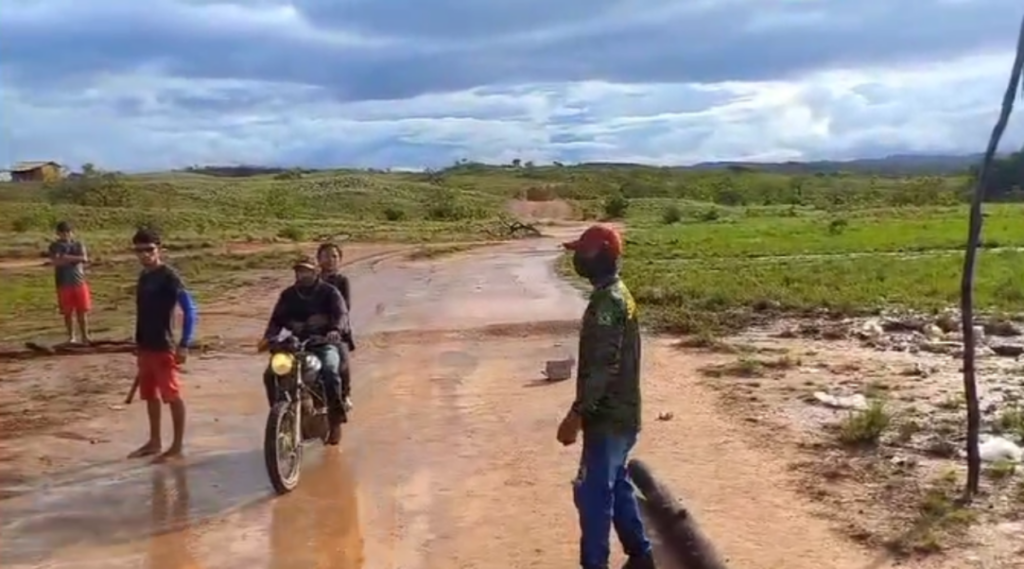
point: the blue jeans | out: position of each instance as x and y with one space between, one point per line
604 498
332 360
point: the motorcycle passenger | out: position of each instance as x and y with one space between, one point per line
329 256
311 307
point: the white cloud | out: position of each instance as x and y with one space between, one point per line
167 83
150 121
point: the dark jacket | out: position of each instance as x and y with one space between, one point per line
340 282
318 310
608 377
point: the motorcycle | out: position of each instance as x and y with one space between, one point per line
299 415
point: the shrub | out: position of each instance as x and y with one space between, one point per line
615 207
710 214
291 233
865 427
672 215
394 214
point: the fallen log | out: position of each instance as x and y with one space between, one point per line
681 537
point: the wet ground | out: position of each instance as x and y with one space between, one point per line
449 462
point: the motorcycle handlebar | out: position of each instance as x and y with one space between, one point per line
291 343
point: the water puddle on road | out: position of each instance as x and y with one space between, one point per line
216 510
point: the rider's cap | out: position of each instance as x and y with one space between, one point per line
596 238
305 262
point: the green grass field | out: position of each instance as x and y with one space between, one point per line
724 273
704 248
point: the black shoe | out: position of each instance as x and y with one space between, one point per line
337 415
640 562
334 436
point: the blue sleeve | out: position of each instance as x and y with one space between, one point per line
188 309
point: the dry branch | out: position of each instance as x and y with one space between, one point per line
967 281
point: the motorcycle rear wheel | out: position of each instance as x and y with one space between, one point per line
281 429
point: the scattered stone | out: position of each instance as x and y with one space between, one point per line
916 370
903 461
834 332
941 448
871 330
996 449
905 324
933 332
666 416
1002 328
1011 528
1007 350
857 401
948 321
940 347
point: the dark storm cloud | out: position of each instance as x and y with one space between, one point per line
393 49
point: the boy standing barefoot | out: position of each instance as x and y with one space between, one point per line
159 290
68 256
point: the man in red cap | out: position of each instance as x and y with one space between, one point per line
607 406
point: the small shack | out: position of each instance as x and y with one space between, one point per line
36 172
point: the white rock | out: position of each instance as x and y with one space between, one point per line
997 449
856 401
872 329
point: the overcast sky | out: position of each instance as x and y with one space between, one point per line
155 84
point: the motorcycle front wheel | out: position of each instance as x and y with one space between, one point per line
281 449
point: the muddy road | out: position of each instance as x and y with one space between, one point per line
449 461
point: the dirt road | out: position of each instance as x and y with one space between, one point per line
450 461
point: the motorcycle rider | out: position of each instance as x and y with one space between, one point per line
329 256
311 307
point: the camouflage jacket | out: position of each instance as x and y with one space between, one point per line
608 376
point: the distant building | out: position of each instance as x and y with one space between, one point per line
36 172
5 175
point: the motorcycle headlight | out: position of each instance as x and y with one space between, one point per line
282 364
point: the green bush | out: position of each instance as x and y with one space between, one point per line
394 214
616 206
671 215
292 233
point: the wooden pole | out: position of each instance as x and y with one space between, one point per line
967 280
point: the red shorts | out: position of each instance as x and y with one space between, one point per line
74 298
158 376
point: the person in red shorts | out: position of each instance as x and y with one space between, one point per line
69 256
159 291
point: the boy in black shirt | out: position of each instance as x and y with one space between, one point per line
329 256
158 291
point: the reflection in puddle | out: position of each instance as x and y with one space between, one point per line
318 524
191 516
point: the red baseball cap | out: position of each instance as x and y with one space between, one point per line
596 238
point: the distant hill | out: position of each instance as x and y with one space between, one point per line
894 165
